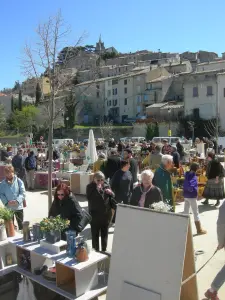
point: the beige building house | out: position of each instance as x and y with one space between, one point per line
29 86
204 95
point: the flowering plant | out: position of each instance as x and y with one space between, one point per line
161 206
54 224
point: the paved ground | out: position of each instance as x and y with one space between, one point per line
38 207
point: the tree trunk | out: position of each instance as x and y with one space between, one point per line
50 153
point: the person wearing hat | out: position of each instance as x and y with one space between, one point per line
97 164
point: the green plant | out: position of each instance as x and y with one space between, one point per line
54 224
2 222
6 214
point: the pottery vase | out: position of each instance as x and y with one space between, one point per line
10 230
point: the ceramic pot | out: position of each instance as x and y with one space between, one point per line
81 254
53 236
10 230
3 235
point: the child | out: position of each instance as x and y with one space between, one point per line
190 196
220 277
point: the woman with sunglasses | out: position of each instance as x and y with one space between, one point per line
66 205
100 204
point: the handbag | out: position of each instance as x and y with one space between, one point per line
86 219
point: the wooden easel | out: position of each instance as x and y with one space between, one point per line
189 290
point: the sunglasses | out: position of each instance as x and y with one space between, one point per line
60 195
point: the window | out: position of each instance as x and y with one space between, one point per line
97 86
145 97
138 89
114 102
125 90
97 94
114 81
125 81
125 101
209 90
138 99
110 103
138 78
115 91
109 93
195 91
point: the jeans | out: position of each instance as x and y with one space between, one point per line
191 202
30 179
219 279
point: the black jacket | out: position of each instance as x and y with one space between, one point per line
68 208
214 169
176 159
180 149
134 169
99 203
154 195
112 165
122 186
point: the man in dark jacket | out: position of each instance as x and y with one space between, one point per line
17 163
122 183
30 166
133 165
180 148
176 157
4 155
112 165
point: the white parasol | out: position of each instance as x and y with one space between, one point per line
91 153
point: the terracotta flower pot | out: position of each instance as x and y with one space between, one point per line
10 230
81 254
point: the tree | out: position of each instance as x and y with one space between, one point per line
156 129
12 104
150 131
38 94
45 58
16 86
20 105
24 119
106 129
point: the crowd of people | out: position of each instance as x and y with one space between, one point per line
117 180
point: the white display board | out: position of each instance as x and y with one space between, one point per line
149 254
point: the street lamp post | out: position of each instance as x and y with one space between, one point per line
67 119
169 129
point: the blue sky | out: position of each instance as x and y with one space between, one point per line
128 25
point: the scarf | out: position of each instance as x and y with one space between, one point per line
141 202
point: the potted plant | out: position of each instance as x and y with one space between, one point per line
7 215
3 235
52 228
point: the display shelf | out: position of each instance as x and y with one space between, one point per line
65 279
23 258
62 258
98 290
7 269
